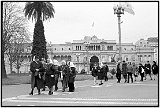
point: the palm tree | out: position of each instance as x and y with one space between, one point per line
39 11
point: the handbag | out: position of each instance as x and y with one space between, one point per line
36 73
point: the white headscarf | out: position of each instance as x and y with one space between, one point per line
71 64
50 61
55 62
34 58
63 61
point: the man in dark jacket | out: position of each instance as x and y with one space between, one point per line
147 69
105 70
124 71
36 67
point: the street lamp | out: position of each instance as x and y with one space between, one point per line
78 55
87 49
119 9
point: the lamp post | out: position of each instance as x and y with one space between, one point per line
78 55
87 49
119 9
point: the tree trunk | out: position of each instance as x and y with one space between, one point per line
4 75
11 66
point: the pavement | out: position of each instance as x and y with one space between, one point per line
110 93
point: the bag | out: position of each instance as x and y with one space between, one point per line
36 73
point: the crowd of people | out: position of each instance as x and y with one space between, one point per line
127 70
49 73
100 73
131 69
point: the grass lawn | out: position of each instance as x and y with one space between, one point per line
25 79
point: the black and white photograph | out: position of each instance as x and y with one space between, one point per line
80 53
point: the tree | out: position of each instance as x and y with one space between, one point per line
40 11
13 24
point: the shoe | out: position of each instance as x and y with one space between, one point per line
151 79
154 79
100 83
31 93
63 90
43 89
39 93
50 93
55 90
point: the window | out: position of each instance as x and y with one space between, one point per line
131 48
55 49
69 48
126 59
124 48
110 48
62 49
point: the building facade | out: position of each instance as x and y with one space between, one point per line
85 52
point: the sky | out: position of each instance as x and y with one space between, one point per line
73 21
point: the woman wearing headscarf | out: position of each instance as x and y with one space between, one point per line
64 72
56 73
95 70
155 69
36 67
72 76
101 73
141 70
43 61
50 76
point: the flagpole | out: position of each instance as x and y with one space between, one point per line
93 28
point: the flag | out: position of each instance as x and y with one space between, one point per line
128 8
93 24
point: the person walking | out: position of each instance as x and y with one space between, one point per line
64 70
141 71
105 70
94 73
118 74
56 73
101 73
124 71
147 70
43 75
135 70
130 72
72 76
50 76
36 67
155 69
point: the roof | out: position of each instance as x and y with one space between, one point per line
152 39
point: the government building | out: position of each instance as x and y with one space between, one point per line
85 52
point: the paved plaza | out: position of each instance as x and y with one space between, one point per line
110 93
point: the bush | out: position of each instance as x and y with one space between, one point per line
13 72
82 71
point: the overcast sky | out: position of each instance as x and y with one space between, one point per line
73 21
